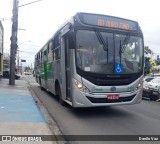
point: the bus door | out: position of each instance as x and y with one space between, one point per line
67 68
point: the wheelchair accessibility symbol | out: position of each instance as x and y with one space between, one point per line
118 68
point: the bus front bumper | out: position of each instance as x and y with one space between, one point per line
82 99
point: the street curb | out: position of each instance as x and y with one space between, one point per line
50 120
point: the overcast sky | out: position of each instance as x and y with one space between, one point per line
40 20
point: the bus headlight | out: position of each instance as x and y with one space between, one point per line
80 86
140 85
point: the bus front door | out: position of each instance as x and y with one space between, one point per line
67 69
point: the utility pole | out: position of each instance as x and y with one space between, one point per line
18 61
13 39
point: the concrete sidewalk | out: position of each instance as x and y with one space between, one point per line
19 114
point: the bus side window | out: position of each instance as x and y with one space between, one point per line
40 58
57 48
52 49
45 53
50 57
37 63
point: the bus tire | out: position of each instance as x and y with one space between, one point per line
58 91
40 83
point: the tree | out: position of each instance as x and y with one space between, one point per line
147 65
157 62
147 50
27 68
149 62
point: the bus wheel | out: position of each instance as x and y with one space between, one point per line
40 83
62 102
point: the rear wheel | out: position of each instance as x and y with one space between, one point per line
40 83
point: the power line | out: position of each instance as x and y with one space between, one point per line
30 45
25 44
26 51
29 3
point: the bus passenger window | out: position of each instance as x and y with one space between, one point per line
57 53
57 48
50 57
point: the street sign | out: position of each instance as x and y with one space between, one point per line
22 60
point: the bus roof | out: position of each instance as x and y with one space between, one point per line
100 20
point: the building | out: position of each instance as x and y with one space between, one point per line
1 46
6 61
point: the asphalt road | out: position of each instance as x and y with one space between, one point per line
139 119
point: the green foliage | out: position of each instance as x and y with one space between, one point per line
157 62
27 68
147 50
148 68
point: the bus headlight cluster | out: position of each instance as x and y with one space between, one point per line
80 86
140 85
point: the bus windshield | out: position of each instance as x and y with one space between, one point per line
108 53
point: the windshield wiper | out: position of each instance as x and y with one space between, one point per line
123 46
102 42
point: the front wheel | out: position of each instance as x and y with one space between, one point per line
40 83
62 102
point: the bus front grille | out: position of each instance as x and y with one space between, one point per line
110 81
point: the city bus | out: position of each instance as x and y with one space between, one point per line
93 60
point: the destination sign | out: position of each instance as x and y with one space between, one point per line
108 21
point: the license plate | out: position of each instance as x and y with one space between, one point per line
113 97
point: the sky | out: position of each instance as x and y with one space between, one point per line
38 21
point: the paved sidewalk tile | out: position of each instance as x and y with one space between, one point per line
19 114
19 109
24 128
